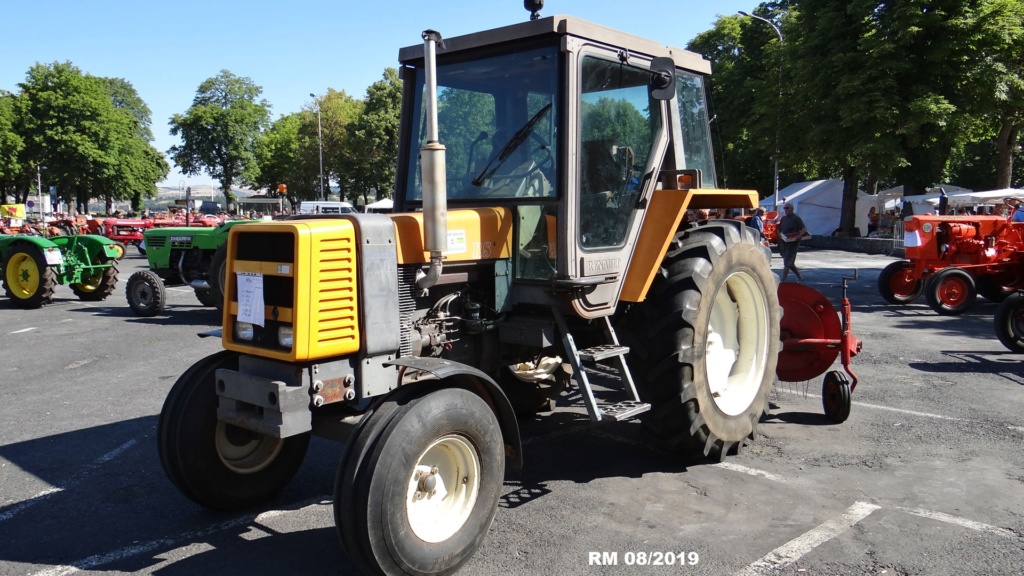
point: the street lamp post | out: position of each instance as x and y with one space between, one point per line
778 119
320 141
39 190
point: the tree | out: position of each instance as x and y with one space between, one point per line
277 151
338 112
83 142
11 145
744 97
375 136
220 130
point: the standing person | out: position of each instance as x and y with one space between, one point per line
791 230
756 221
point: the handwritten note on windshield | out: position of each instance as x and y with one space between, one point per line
250 298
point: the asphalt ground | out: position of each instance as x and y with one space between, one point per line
926 477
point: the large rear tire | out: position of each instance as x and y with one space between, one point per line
897 285
1009 320
951 291
705 342
98 286
28 280
419 483
218 269
146 293
215 464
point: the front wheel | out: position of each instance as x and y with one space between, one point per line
951 291
1009 320
215 464
146 293
897 283
705 342
419 484
28 279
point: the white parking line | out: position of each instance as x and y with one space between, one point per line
75 479
949 519
23 330
750 471
796 548
876 406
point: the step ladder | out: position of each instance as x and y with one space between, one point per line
617 411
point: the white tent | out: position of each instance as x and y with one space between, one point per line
382 205
819 204
987 197
892 199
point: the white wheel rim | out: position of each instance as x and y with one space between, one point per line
443 488
737 344
245 452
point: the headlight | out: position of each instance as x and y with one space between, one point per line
244 330
284 336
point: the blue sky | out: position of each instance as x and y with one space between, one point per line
289 48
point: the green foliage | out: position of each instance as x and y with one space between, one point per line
11 145
901 92
375 136
89 134
220 130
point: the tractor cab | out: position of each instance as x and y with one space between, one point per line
571 127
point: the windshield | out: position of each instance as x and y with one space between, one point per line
497 118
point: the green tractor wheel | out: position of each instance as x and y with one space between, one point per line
28 280
98 286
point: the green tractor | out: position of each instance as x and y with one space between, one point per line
181 256
33 266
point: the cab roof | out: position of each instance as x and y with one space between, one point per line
560 25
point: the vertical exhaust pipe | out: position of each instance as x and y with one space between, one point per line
433 178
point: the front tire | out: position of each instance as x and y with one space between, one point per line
897 285
215 464
951 291
98 286
146 293
389 520
28 280
1009 321
705 342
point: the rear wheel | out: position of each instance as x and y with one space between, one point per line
1009 320
419 484
897 283
218 269
98 286
146 293
216 464
951 291
28 280
705 342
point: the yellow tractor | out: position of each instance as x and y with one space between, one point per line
543 174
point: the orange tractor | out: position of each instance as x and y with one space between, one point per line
953 259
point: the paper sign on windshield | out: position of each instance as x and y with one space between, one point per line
250 298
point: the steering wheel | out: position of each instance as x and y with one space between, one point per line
513 143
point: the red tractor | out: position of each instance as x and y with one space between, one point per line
127 231
953 259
